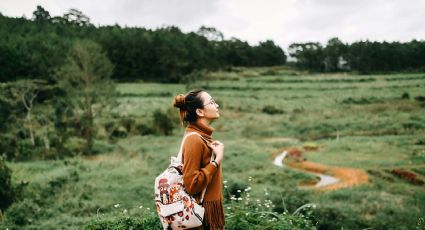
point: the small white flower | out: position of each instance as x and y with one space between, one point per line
239 191
148 209
125 211
225 186
141 206
228 207
239 198
225 182
116 206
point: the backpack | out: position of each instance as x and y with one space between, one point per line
175 207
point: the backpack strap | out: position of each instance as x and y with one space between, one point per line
180 156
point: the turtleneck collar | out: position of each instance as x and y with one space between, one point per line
205 130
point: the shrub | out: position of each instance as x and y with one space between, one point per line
270 72
405 95
128 124
244 212
331 218
163 122
22 213
408 176
144 129
414 125
420 142
420 98
6 189
125 223
145 220
118 132
270 109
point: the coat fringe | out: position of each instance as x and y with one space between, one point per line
214 214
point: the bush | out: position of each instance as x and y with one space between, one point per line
144 129
148 220
331 218
405 95
6 189
245 212
118 132
270 109
22 213
128 124
420 99
270 72
35 201
414 125
163 122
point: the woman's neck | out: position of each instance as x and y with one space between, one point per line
204 122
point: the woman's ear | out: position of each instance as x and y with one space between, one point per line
200 112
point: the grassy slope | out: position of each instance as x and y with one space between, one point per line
366 111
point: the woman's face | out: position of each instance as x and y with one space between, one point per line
210 110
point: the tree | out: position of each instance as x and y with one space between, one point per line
308 55
268 54
86 78
28 93
41 15
335 51
210 33
76 17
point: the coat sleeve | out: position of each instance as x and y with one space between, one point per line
195 178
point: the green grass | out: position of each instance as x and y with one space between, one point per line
377 130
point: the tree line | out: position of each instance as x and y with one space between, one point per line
33 48
360 56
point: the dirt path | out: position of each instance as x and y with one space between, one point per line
348 177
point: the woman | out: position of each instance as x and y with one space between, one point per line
198 109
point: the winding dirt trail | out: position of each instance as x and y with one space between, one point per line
348 177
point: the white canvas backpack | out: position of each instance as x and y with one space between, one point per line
176 208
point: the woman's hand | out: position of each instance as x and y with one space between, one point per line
218 149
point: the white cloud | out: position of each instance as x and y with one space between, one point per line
284 21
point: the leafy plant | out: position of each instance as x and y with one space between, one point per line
6 189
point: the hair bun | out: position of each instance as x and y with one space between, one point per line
179 101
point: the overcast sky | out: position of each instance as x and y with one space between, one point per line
284 21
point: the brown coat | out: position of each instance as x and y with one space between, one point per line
199 173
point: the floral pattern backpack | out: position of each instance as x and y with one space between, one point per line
176 208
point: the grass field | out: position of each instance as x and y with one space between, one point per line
368 122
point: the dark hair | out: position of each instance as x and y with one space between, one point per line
188 104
